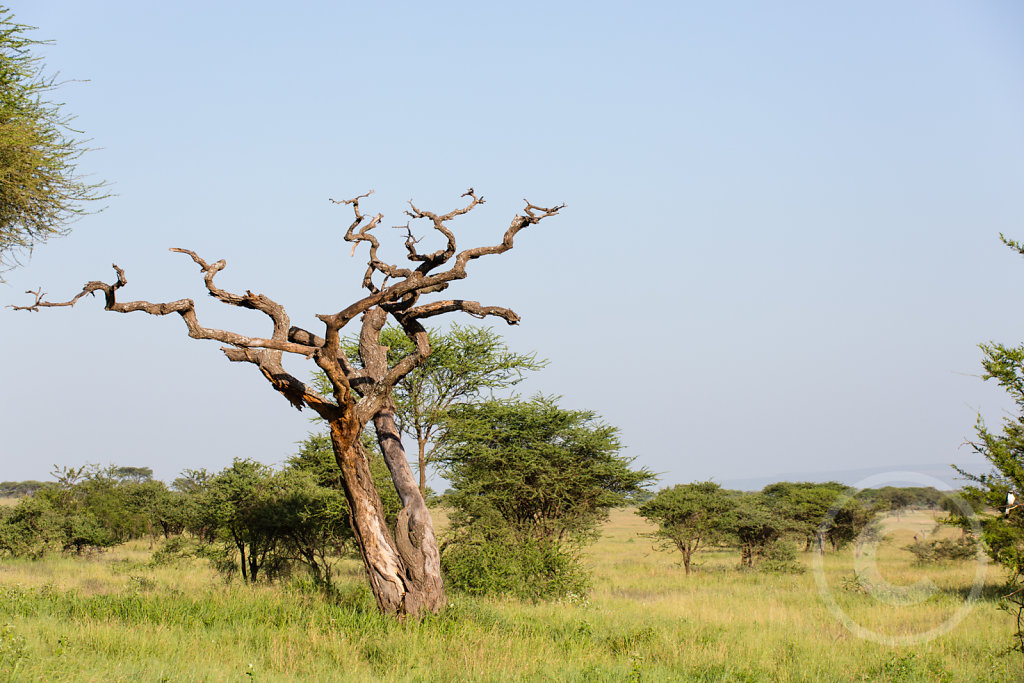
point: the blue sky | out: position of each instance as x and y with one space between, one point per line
779 254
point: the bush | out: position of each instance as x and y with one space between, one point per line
779 557
531 482
943 550
30 528
172 552
496 562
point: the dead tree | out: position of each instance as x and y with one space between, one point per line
403 566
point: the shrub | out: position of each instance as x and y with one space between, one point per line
30 528
779 557
495 561
942 550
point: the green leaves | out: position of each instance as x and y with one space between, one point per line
545 471
531 483
40 190
689 516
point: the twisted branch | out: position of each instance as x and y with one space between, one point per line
399 299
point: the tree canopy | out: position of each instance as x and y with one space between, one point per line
40 188
531 481
550 472
690 516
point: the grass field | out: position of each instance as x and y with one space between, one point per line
115 617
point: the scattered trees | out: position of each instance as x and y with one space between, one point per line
403 565
40 190
809 504
691 517
759 527
17 489
531 482
86 508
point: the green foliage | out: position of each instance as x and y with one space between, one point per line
237 505
486 560
1001 524
312 523
942 550
758 524
779 557
316 456
40 191
821 512
31 528
465 364
546 472
530 484
690 516
87 508
897 498
259 523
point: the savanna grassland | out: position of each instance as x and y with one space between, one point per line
116 616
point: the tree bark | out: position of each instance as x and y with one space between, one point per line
384 566
414 532
405 568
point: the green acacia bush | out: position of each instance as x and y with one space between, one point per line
530 484
30 529
779 557
496 562
943 550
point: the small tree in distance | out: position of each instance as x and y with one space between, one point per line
402 565
690 517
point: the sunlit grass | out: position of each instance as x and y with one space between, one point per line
115 617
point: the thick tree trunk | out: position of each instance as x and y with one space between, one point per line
414 532
404 575
383 564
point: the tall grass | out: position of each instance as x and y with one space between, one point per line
116 617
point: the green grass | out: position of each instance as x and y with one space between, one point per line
113 617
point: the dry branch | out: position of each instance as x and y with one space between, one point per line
404 571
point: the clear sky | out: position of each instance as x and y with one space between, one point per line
779 254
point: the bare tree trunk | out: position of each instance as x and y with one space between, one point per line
384 566
414 532
404 569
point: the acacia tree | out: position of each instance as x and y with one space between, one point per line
403 566
531 482
689 516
